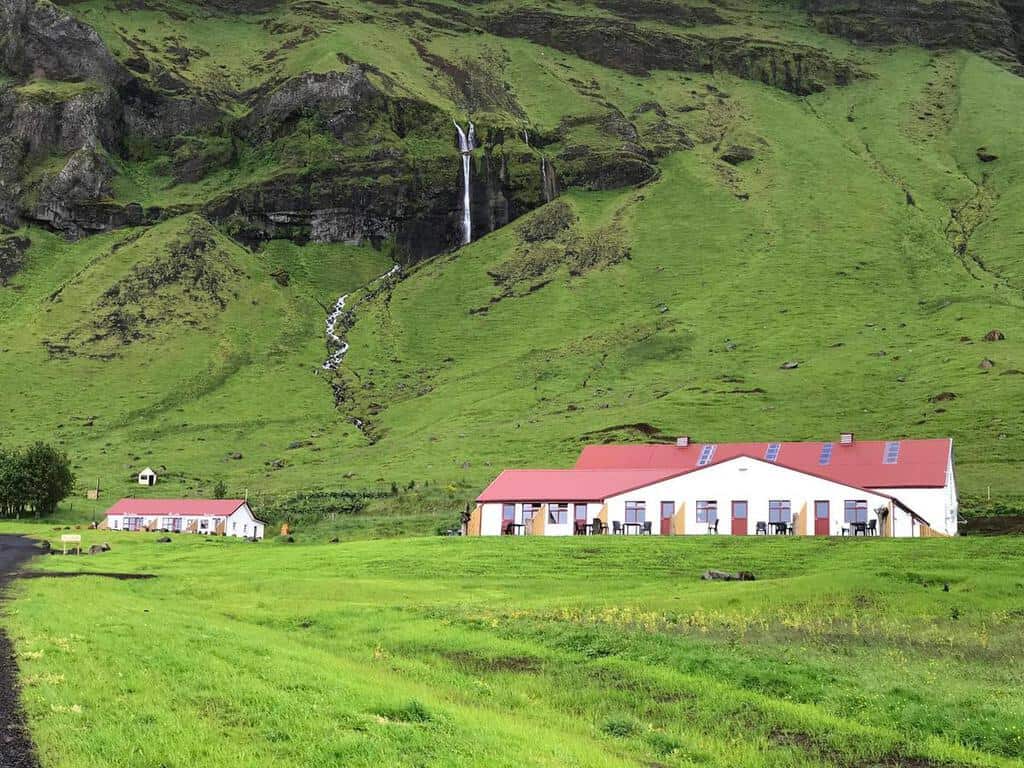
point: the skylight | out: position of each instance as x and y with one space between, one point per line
826 455
706 454
892 453
773 452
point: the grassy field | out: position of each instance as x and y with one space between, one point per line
448 652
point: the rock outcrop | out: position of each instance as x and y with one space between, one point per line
979 25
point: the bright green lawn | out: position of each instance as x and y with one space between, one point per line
449 652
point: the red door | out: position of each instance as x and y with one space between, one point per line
739 518
508 517
821 518
668 510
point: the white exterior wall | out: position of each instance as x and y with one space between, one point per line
242 523
753 481
490 518
939 506
247 524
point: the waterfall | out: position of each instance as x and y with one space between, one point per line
467 143
526 136
549 180
333 339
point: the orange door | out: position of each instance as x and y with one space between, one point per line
739 518
821 516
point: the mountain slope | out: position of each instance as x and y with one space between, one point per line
743 185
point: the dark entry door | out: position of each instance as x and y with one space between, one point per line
668 511
739 518
821 518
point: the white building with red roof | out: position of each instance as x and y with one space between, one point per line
902 488
213 517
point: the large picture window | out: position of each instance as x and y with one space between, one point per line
707 511
856 510
636 511
558 514
779 511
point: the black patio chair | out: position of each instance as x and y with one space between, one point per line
872 527
616 527
761 529
597 527
648 528
790 530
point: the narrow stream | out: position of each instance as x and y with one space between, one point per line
333 339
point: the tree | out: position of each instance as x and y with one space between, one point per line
220 490
38 478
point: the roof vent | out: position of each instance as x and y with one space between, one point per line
683 442
846 438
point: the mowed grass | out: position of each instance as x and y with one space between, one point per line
579 652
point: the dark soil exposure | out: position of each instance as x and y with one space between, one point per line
74 574
15 745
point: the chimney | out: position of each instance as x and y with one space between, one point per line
683 442
846 438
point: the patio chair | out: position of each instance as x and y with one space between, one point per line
509 529
761 528
648 528
872 528
713 527
790 530
616 527
597 527
580 528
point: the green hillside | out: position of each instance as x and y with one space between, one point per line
189 188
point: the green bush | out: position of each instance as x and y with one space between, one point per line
548 222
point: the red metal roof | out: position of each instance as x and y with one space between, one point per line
920 464
543 485
176 507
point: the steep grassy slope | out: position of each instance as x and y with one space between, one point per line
855 230
449 652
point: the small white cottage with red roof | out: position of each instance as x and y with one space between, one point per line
214 517
903 488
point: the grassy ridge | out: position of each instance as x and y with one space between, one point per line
591 653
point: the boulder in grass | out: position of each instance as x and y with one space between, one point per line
164 540
725 576
985 156
99 549
986 364
790 365
737 154
995 335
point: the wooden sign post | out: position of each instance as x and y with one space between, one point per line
71 538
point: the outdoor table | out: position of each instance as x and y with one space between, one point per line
780 528
861 528
627 526
519 528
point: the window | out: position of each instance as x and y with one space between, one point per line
773 452
132 523
826 455
636 511
529 510
779 511
508 513
706 454
234 527
707 511
739 510
668 509
204 525
558 514
856 511
892 453
580 511
821 510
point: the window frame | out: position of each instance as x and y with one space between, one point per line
558 513
780 507
671 507
859 507
828 509
703 507
746 509
635 512
576 507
